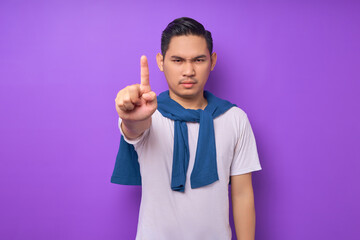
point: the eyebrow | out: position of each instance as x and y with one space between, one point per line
197 57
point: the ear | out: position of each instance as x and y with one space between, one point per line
213 60
160 61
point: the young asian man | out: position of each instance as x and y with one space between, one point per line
184 145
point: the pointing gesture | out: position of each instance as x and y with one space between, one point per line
137 102
144 84
144 74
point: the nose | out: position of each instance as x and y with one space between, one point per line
188 70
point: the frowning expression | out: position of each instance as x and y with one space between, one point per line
187 65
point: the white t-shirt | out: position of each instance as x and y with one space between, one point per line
201 213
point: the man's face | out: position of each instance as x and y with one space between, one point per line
186 66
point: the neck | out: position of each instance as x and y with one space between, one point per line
197 102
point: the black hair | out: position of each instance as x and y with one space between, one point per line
184 26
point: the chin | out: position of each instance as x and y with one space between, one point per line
187 93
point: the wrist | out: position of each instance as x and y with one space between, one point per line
134 128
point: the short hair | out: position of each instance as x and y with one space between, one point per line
184 26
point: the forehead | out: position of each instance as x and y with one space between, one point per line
187 46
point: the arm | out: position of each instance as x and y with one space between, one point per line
135 104
242 197
134 129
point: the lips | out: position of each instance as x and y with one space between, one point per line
187 83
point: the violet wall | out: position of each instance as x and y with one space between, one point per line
293 66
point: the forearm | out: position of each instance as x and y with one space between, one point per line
244 216
134 129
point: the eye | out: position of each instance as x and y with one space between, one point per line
200 60
176 60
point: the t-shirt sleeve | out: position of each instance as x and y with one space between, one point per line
137 141
246 157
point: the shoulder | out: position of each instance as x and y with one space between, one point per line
236 111
232 122
234 114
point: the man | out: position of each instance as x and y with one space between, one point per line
184 146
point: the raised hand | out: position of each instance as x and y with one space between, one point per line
137 102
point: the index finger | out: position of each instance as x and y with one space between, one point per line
144 73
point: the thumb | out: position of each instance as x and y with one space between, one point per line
149 96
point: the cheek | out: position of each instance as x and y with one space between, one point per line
170 77
203 70
171 72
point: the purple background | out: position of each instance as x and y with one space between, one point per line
293 66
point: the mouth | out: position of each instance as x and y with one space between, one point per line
188 83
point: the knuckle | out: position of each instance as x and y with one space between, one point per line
126 98
134 87
129 107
